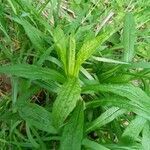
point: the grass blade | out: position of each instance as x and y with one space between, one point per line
129 37
35 35
29 134
12 6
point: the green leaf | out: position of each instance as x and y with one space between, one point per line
35 35
93 145
71 55
120 102
60 44
73 130
37 116
87 49
145 65
66 101
44 56
12 6
139 100
32 72
50 86
3 30
146 137
129 37
135 94
133 130
105 118
107 60
29 135
126 146
14 91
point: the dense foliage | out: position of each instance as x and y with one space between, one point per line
74 74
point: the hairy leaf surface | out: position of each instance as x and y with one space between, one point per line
73 130
66 101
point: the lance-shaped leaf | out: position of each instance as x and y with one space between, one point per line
71 56
73 130
36 116
35 35
133 130
32 72
88 48
66 101
60 44
138 99
129 37
120 102
105 118
135 94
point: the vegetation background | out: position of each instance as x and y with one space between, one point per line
74 74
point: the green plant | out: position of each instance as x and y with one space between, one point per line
79 76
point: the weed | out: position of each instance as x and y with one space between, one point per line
78 74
